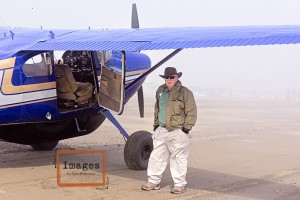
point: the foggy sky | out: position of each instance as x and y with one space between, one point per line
260 67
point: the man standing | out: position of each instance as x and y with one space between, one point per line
175 115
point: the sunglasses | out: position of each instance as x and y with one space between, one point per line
169 77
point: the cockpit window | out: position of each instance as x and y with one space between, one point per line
39 65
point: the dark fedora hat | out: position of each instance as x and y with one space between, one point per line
171 71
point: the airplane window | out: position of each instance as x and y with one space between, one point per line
58 57
108 56
39 65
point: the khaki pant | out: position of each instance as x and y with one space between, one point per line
169 146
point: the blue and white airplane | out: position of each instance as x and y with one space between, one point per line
58 84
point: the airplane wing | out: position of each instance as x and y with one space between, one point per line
14 40
20 39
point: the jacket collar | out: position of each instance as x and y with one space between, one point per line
173 91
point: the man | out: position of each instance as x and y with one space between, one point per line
175 115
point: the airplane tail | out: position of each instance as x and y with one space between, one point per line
134 17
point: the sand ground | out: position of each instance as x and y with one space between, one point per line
240 149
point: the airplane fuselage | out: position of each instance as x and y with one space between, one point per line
35 106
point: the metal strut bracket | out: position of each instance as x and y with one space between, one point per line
78 126
111 118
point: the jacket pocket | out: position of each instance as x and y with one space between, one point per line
177 121
178 107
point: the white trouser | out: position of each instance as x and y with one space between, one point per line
169 146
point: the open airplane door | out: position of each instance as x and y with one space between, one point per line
112 80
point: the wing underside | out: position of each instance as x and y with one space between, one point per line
16 40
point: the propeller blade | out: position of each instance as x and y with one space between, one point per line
134 17
141 101
135 24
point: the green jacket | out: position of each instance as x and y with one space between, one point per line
181 109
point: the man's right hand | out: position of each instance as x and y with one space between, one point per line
155 127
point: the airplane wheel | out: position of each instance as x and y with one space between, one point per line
138 149
46 146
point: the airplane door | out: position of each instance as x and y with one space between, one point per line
112 80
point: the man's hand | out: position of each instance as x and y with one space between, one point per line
185 130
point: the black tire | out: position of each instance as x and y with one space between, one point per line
138 149
46 146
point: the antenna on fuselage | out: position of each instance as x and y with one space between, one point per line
135 24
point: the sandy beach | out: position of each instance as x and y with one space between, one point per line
240 149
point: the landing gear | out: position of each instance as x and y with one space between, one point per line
138 149
46 146
138 146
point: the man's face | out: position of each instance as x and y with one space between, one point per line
170 81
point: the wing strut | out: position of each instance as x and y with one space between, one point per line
171 55
111 118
